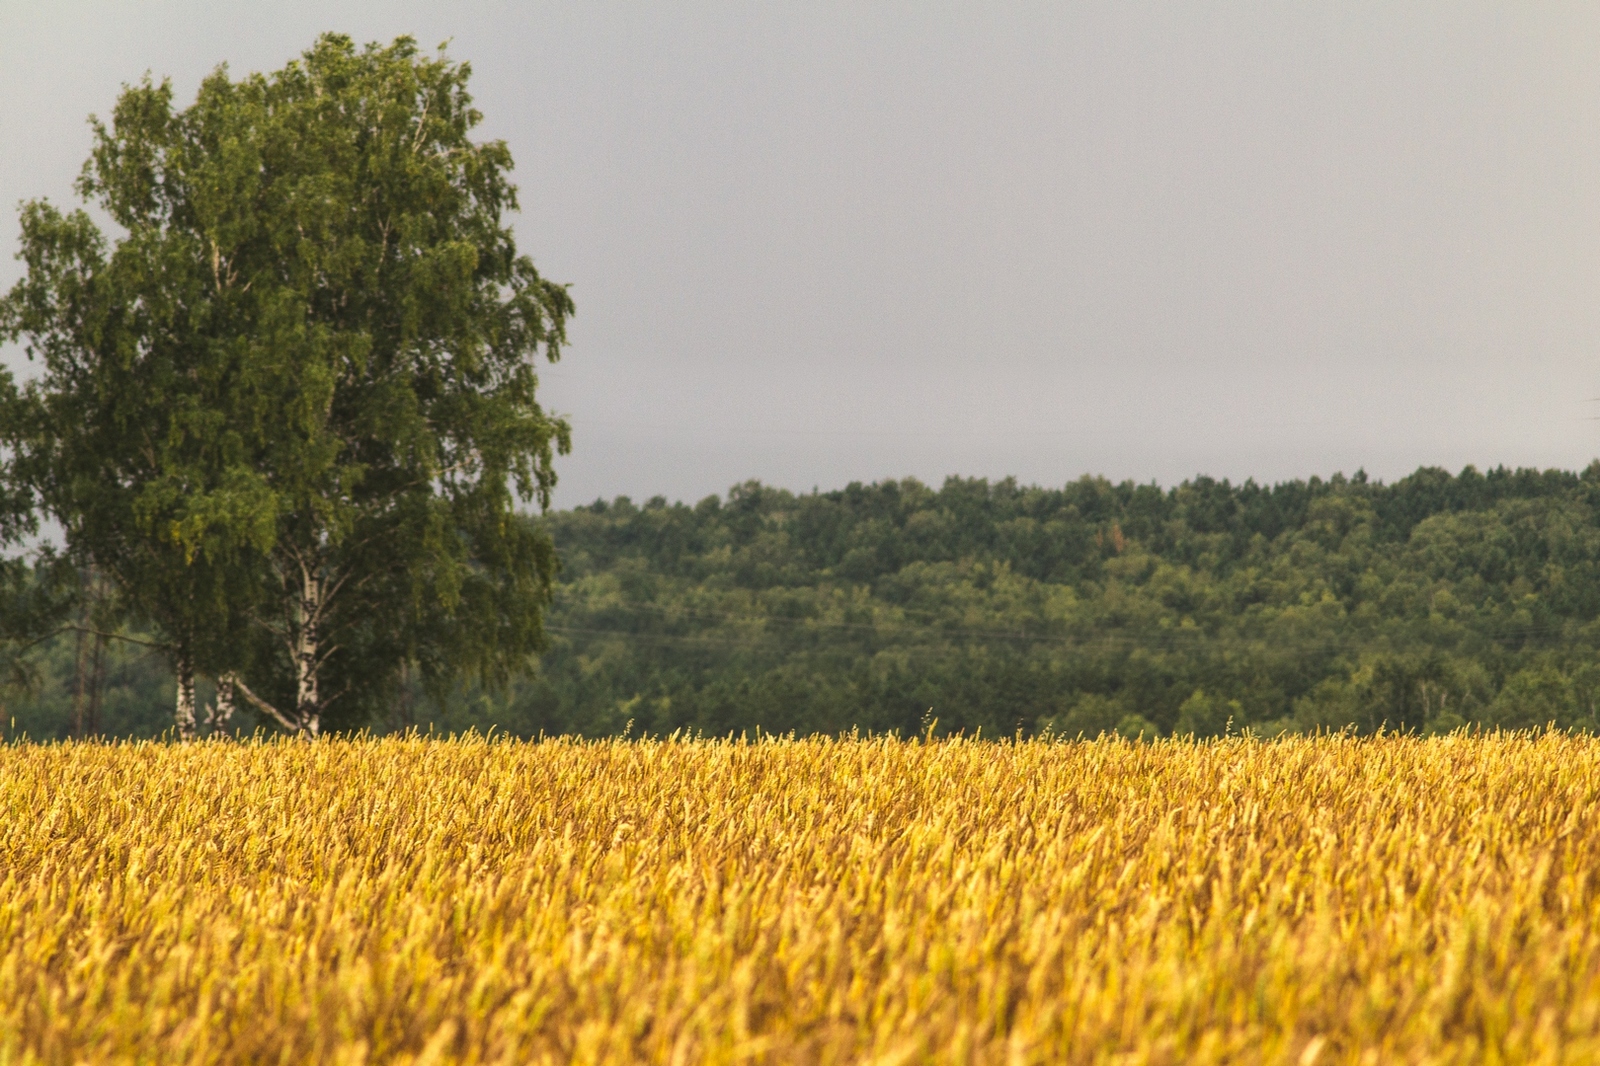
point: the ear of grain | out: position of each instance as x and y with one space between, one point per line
1320 900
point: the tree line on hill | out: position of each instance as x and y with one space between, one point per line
1426 605
1431 604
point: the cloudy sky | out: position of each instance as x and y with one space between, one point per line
813 243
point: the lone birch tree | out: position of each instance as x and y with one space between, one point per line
310 363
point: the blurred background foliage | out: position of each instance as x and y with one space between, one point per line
1434 603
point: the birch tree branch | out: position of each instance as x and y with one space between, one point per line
262 705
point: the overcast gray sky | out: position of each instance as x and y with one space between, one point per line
813 243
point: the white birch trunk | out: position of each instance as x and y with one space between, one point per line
184 712
307 653
219 714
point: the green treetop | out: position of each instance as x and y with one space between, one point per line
307 375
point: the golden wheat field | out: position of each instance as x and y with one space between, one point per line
1303 901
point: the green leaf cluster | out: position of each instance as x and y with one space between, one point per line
290 409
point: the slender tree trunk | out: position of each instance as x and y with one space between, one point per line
220 713
80 684
184 712
307 653
98 594
89 659
97 685
405 714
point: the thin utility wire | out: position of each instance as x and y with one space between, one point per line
1170 640
893 625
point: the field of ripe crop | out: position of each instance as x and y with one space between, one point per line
1303 901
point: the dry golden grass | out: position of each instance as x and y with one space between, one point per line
1304 901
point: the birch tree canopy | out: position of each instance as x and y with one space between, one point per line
291 407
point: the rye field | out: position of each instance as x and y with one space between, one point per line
1326 900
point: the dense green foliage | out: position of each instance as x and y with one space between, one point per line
1427 604
1432 603
289 409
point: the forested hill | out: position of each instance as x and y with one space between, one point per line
1426 604
1434 602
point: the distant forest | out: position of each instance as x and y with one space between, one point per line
1434 603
